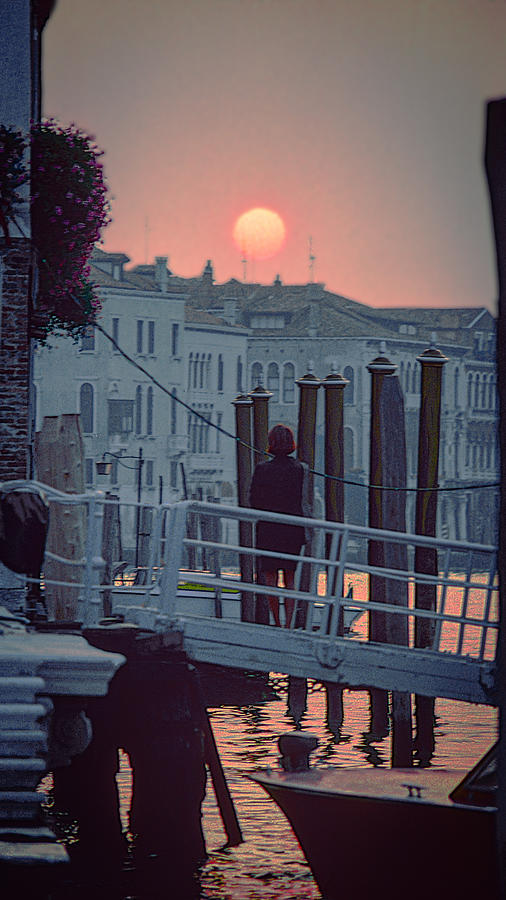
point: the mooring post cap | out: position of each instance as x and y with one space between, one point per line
295 748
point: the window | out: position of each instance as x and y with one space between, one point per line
120 417
173 413
89 471
173 474
151 338
149 411
408 378
469 390
174 341
138 410
476 390
456 388
220 372
190 370
195 370
88 338
115 468
115 332
349 391
140 335
257 375
86 404
202 371
273 381
288 383
149 473
238 385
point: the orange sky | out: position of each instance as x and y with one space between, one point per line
361 123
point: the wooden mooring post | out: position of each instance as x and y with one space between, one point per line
243 405
432 362
495 164
334 385
260 398
387 510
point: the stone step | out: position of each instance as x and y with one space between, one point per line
20 689
20 805
21 773
20 715
23 743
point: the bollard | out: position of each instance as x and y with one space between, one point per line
432 362
243 405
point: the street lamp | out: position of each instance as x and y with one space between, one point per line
104 468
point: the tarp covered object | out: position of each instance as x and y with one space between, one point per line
24 522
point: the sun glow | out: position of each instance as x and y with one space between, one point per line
259 233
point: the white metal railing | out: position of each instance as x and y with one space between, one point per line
333 579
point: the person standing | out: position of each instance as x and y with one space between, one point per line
279 485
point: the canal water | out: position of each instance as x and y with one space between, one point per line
269 865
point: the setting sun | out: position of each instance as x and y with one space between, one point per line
259 233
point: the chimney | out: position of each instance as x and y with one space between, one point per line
161 273
230 311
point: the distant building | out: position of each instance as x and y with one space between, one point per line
208 342
196 356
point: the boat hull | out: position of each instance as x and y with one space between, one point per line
366 834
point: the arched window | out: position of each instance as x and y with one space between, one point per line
349 391
257 374
149 411
491 389
288 383
401 374
238 385
349 450
414 379
483 398
195 370
138 410
220 372
173 413
476 391
190 370
202 371
86 404
408 378
456 388
470 390
273 381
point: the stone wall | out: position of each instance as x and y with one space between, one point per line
15 264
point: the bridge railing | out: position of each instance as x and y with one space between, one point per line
337 591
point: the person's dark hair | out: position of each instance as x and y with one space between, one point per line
281 441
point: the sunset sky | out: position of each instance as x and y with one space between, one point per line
360 122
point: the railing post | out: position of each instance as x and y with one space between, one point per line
260 398
92 612
426 561
243 405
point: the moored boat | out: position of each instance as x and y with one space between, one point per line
389 833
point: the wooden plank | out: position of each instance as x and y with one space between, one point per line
352 663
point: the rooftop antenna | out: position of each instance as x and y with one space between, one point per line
312 258
244 262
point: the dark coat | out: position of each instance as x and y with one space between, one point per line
278 486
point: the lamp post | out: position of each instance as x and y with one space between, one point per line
104 468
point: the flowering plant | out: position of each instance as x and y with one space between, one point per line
69 208
13 175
